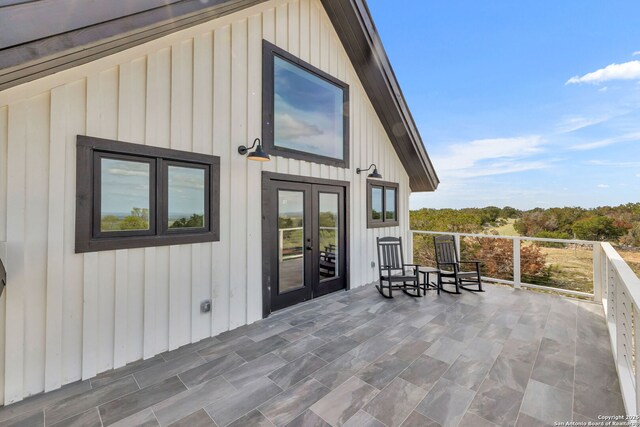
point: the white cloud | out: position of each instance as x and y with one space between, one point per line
603 89
127 172
638 175
603 186
625 71
290 127
607 141
572 123
484 157
614 164
636 53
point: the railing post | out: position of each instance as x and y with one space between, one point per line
412 236
597 272
456 239
516 263
636 355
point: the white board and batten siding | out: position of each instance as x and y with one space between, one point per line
67 316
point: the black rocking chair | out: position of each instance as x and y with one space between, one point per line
449 265
392 268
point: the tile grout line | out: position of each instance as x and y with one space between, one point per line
534 364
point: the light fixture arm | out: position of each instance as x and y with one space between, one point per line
358 170
243 149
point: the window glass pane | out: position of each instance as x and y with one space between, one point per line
290 240
124 203
390 203
376 203
307 111
186 197
328 224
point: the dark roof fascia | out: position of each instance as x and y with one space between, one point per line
351 19
33 60
364 47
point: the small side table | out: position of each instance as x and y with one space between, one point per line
426 284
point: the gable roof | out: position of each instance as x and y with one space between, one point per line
61 42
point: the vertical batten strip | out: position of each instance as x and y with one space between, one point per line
304 29
254 182
150 283
294 27
55 240
196 291
36 193
108 128
282 40
202 143
135 290
90 328
120 310
222 146
238 205
16 178
121 265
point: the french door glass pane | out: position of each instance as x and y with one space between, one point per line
186 187
290 240
328 223
124 195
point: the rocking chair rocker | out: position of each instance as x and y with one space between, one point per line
449 264
392 268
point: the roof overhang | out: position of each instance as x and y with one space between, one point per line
69 47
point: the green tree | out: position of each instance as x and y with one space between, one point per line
632 238
132 222
597 228
110 223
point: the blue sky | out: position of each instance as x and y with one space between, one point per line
528 103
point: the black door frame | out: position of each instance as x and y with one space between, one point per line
268 223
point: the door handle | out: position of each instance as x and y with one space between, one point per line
309 248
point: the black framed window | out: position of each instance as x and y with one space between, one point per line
132 196
305 110
382 204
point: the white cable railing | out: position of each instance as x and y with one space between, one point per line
615 286
618 290
517 281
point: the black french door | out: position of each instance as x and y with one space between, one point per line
305 241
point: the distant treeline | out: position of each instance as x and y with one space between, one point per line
619 224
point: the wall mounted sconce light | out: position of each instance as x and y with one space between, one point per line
373 174
258 155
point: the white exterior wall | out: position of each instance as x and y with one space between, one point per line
70 316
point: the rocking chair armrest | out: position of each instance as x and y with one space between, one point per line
471 261
448 263
412 265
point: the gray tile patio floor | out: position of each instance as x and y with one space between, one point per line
503 357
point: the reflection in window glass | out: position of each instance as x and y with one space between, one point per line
328 223
186 197
376 203
290 240
308 111
124 203
390 203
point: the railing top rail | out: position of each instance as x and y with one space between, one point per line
628 277
494 236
